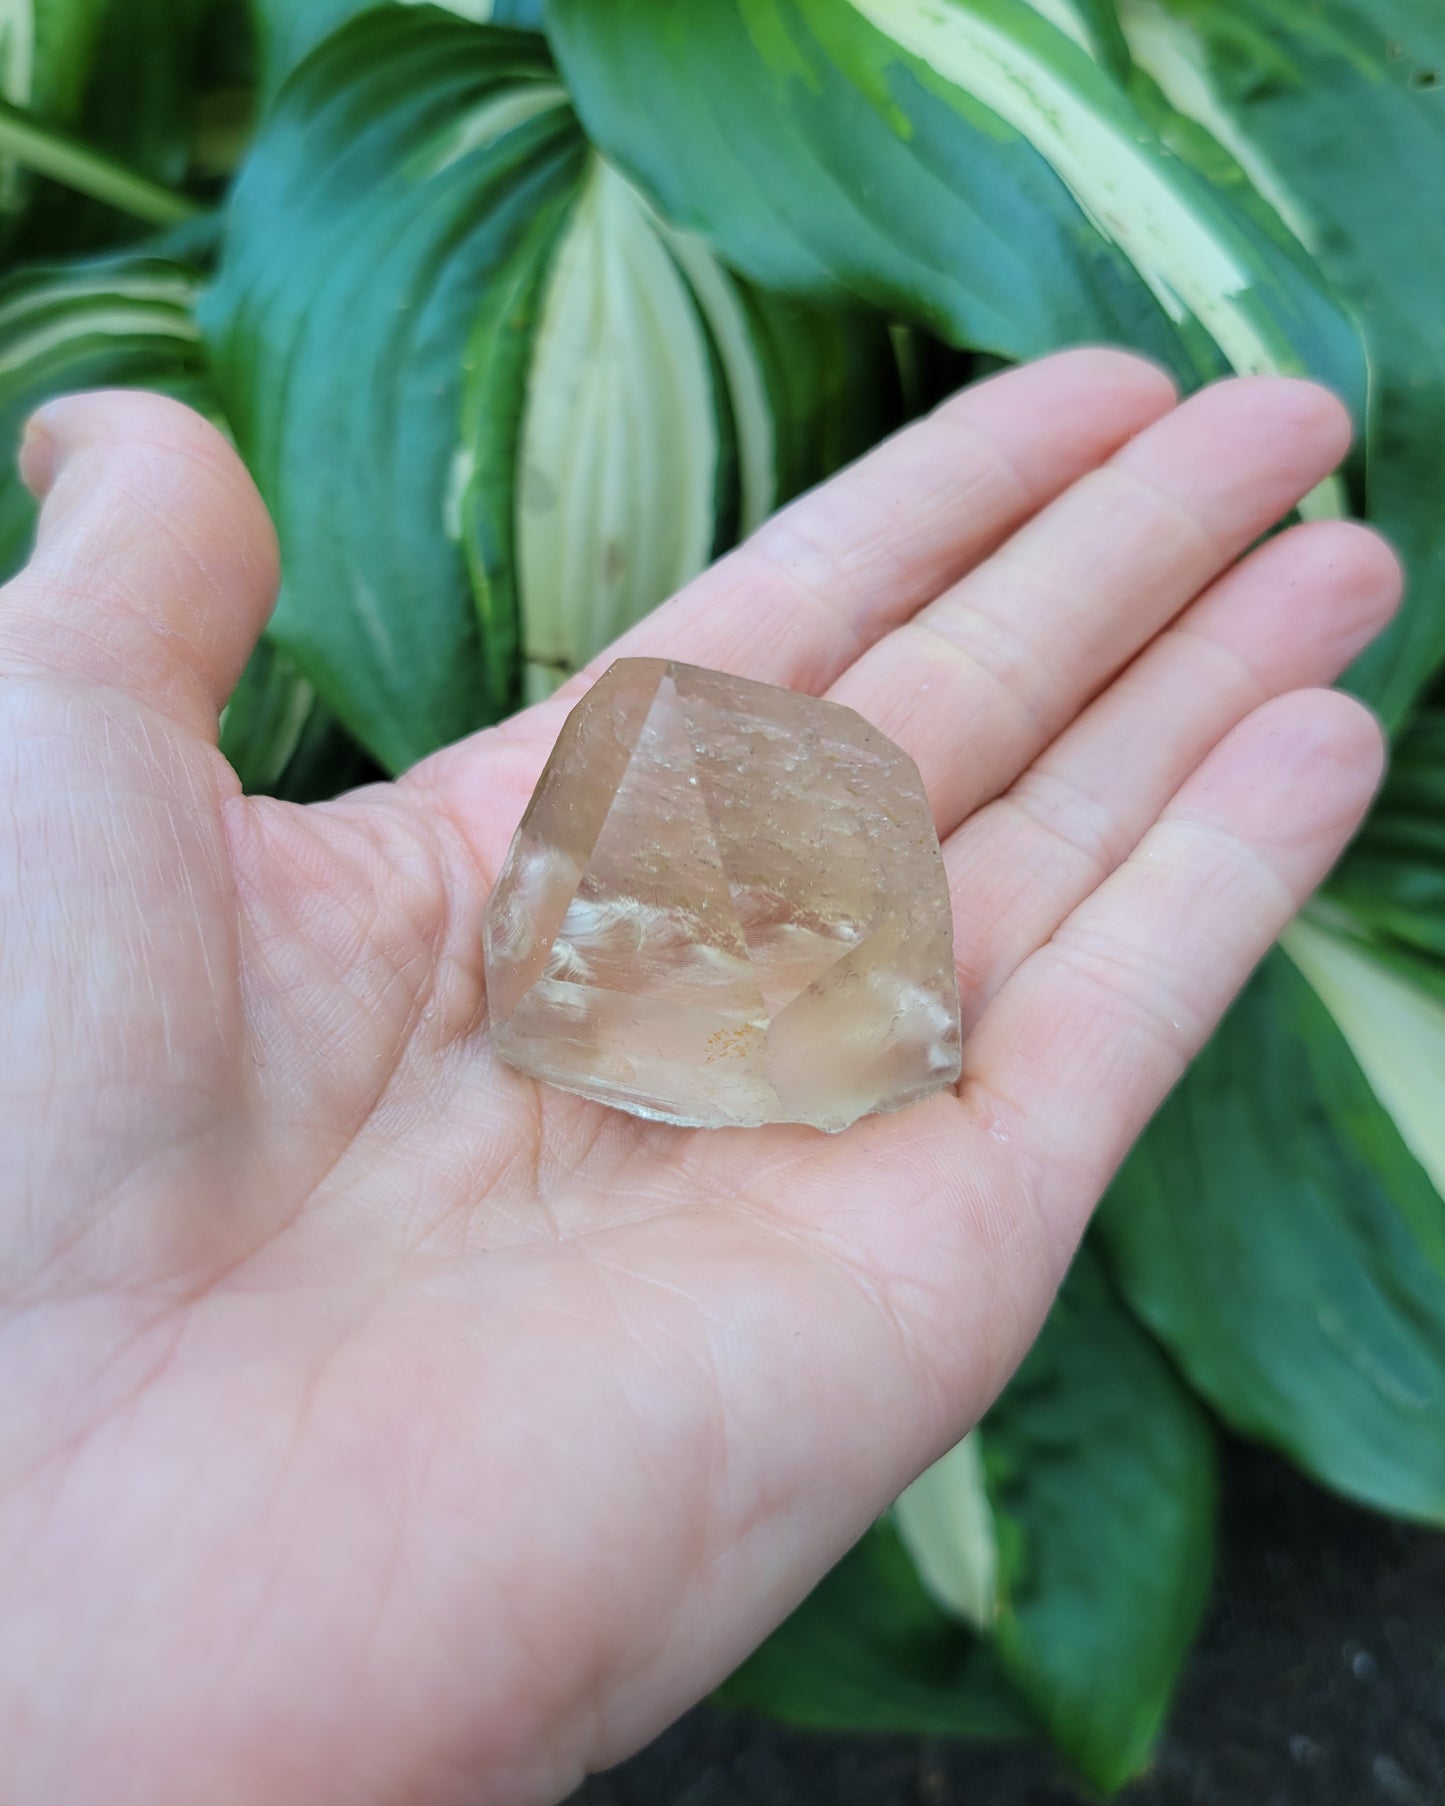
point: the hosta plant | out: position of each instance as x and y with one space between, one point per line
519 315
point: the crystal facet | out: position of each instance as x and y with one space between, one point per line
725 905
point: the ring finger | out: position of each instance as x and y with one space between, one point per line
1291 616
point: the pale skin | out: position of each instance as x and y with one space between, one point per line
377 1425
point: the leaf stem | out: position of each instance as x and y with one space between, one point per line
51 153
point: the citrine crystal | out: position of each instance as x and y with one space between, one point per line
725 905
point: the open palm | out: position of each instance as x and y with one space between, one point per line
378 1425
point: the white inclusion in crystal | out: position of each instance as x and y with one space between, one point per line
566 1001
923 1019
603 922
535 870
512 927
762 912
564 961
606 924
652 927
703 953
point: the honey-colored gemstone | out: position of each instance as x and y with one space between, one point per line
725 905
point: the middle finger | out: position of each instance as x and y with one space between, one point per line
979 681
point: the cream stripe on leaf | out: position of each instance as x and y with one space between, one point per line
1171 52
1064 16
629 404
716 293
76 286
617 468
484 125
1396 1030
1032 76
965 163
946 1524
107 322
1329 105
46 49
99 322
1165 49
17 50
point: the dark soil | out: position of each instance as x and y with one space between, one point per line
1319 1681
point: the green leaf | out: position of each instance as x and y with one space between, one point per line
969 166
1275 1231
523 15
84 175
424 256
282 741
46 49
809 389
868 1650
262 724
115 322
484 479
1101 1472
1332 106
1092 24
325 762
394 178
45 54
289 30
139 113
1392 880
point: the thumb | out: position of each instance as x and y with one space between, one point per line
155 562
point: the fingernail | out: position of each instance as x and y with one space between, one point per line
36 458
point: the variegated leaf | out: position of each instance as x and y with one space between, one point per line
113 322
1281 1229
466 359
1396 1031
1326 106
617 466
966 162
946 1523
45 56
398 174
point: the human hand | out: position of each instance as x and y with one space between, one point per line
378 1425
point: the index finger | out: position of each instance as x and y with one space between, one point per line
839 567
797 602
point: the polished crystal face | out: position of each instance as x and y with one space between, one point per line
725 906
